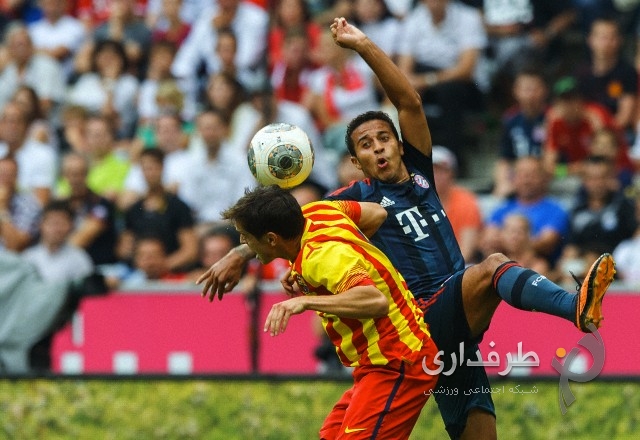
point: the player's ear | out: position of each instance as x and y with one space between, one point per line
356 162
272 238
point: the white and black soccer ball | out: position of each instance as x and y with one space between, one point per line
280 154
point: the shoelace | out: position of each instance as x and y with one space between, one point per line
577 281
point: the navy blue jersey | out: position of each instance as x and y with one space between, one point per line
416 236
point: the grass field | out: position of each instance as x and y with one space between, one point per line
275 410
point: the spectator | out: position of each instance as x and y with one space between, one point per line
108 89
516 244
26 66
523 127
94 216
374 19
39 127
225 94
213 245
291 17
460 204
19 211
249 25
190 10
439 52
160 214
608 78
129 30
54 257
290 74
571 122
218 177
347 170
57 34
37 162
626 252
160 59
151 265
549 221
170 27
107 170
606 143
226 52
601 214
71 133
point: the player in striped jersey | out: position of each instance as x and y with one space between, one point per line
366 309
417 237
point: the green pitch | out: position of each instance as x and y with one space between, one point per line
218 409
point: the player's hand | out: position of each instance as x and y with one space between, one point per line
222 276
279 315
289 284
345 34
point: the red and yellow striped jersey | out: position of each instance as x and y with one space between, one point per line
334 257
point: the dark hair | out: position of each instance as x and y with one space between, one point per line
36 110
154 153
58 206
267 209
113 45
366 117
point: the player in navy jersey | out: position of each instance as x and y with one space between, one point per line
417 237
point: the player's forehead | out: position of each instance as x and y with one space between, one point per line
370 129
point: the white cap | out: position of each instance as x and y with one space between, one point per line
443 156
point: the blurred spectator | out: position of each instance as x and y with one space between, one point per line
439 52
25 66
107 169
94 216
226 51
170 27
249 24
606 143
571 123
172 141
627 252
58 34
608 78
108 89
218 177
161 214
264 108
19 211
290 74
214 244
225 94
37 162
94 13
516 244
291 17
460 204
521 33
374 19
190 10
338 91
324 11
71 133
39 128
160 59
129 30
347 171
549 220
523 127
601 214
151 265
54 257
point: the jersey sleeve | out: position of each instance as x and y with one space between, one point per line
416 161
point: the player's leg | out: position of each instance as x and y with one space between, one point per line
332 423
497 278
463 395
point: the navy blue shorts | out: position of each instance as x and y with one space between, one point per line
444 313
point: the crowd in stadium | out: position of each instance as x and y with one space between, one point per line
124 124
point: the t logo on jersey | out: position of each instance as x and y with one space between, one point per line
412 221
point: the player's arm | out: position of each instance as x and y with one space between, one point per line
413 123
223 276
368 216
359 302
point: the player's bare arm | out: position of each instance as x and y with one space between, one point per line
413 123
225 274
360 302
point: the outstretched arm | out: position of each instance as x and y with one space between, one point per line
413 123
223 276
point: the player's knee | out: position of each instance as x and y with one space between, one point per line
494 261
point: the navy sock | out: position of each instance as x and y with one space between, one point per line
525 289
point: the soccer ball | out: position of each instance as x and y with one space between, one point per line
280 154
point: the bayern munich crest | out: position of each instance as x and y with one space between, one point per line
421 181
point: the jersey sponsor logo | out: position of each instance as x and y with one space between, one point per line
412 222
386 202
421 181
348 430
